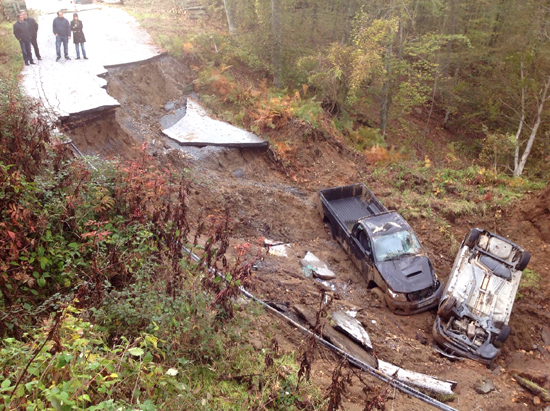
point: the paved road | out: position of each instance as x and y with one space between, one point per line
72 86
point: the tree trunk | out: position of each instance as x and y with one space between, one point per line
277 40
542 101
349 20
230 14
386 93
521 120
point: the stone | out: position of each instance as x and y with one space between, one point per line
312 265
484 386
351 327
536 400
170 106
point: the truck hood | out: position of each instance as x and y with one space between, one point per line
408 274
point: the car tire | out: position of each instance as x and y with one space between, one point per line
472 237
381 295
446 308
523 261
504 334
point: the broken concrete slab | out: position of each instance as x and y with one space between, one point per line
336 338
276 248
196 128
352 328
419 380
312 265
71 87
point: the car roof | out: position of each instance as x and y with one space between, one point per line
385 223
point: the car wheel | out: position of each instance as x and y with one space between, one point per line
523 261
381 295
446 308
472 237
504 334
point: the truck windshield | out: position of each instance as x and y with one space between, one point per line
395 245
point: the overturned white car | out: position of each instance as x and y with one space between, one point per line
475 307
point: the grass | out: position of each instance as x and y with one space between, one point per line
11 59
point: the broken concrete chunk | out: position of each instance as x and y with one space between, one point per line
422 381
312 265
196 128
335 338
352 327
484 386
276 248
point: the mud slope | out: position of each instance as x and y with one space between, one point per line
274 196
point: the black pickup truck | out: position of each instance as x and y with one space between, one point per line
383 246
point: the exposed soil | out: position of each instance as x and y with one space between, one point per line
277 200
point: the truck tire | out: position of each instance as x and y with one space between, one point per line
503 335
381 295
523 261
446 308
472 237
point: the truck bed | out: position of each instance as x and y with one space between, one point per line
351 203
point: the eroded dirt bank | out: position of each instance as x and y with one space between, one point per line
267 201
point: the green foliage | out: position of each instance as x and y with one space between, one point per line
530 280
11 59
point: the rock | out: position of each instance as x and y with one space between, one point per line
536 400
351 327
497 370
484 386
170 106
545 335
312 265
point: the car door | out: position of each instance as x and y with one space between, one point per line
360 249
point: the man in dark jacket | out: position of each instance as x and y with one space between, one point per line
34 32
23 33
62 31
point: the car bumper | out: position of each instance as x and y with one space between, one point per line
414 307
457 349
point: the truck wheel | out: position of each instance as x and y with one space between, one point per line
381 295
523 261
446 308
503 335
472 237
330 229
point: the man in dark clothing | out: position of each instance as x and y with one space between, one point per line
34 31
62 31
23 33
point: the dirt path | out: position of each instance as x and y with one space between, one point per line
266 202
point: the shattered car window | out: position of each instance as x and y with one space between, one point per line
395 245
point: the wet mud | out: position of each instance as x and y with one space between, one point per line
275 198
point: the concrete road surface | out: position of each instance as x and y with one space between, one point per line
72 86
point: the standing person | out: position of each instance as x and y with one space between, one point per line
78 36
22 32
62 31
34 32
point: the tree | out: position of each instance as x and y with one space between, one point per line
230 14
276 15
